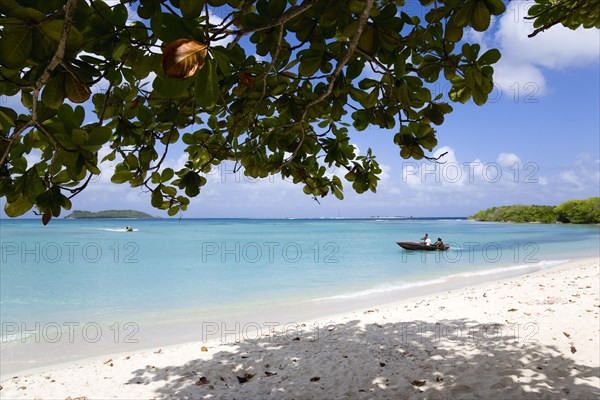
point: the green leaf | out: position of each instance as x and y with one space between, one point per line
167 175
191 8
53 30
79 136
171 87
18 207
310 63
481 17
490 57
121 176
157 198
7 118
206 88
15 46
173 211
497 7
169 190
98 136
221 56
54 91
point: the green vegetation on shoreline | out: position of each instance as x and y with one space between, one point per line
571 211
109 214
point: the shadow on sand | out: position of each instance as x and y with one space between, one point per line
453 359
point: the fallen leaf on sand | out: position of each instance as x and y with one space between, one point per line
158 351
108 361
315 379
512 309
22 388
203 348
566 334
418 383
128 357
269 373
573 349
245 378
202 381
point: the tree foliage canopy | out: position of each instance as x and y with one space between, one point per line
572 211
570 13
273 86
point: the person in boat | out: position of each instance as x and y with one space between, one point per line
439 244
425 240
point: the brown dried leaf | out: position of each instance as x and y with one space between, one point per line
512 310
418 383
108 361
46 217
75 90
204 348
246 80
573 349
202 381
567 335
288 74
182 58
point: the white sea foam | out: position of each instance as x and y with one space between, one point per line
13 337
518 269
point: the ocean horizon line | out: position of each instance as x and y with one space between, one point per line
255 218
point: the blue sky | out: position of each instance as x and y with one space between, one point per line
536 142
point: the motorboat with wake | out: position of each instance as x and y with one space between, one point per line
421 246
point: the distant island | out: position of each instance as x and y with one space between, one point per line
109 214
570 212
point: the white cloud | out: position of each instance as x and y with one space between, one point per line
524 59
464 186
508 159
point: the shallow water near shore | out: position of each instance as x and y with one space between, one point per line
82 287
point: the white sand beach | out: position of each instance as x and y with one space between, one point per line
531 337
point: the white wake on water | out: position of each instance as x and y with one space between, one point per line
115 229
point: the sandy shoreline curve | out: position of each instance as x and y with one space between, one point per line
533 336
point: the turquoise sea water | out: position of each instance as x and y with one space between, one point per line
90 271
